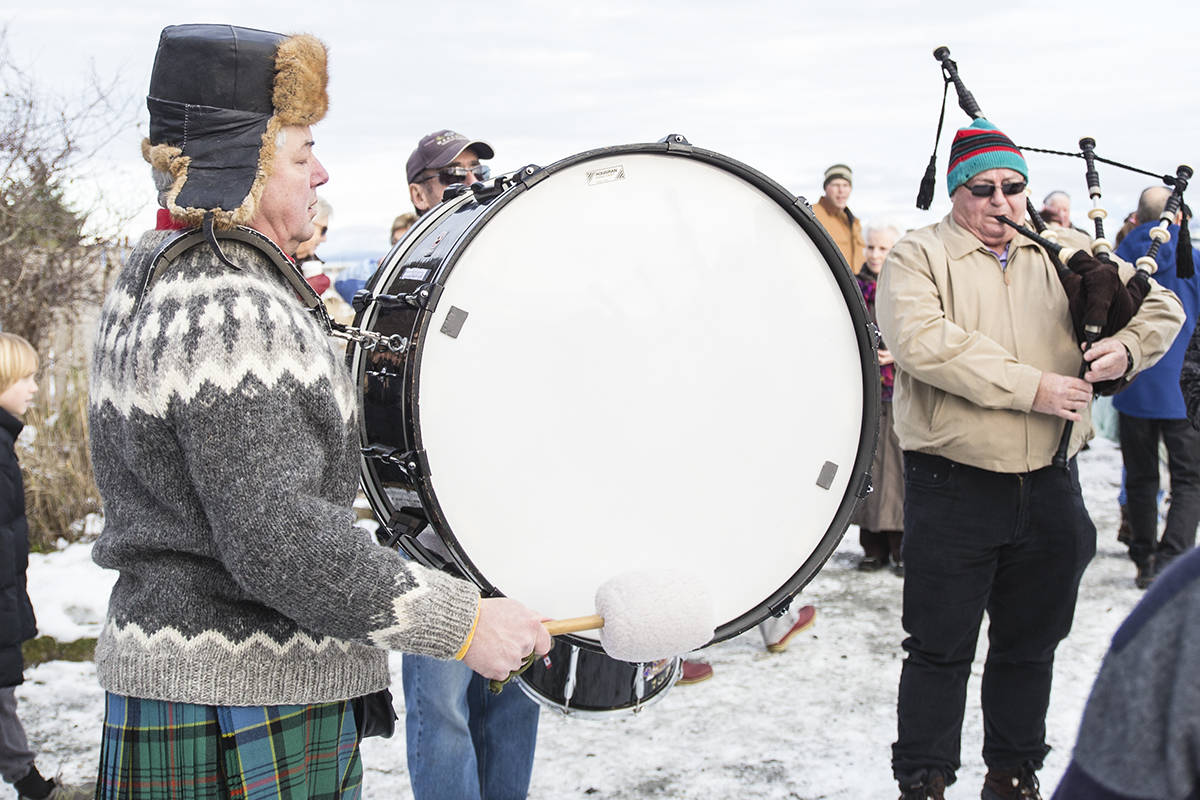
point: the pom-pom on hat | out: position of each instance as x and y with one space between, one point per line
978 147
219 96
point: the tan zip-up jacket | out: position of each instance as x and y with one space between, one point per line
971 342
846 235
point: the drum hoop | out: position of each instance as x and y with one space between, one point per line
798 209
676 672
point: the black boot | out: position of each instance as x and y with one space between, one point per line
1145 574
930 786
875 550
34 785
1011 783
894 538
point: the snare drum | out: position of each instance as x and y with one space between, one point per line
640 355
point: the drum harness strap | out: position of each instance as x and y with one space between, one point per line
207 234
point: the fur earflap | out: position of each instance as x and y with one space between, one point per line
300 96
168 158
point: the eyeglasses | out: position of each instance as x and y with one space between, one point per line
988 189
457 174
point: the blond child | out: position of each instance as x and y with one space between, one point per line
18 363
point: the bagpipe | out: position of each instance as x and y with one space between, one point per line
1100 303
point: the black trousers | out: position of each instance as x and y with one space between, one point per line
1139 451
1015 546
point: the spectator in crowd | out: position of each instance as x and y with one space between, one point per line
978 324
311 264
1152 410
307 251
1189 379
1129 224
18 365
880 515
1056 212
401 224
463 740
833 213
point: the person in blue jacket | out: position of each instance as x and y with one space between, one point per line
1152 408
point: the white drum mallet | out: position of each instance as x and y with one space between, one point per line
648 615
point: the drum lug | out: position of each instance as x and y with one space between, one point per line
425 297
414 464
403 525
676 141
865 486
454 190
486 191
639 687
876 334
781 609
569 685
529 175
361 300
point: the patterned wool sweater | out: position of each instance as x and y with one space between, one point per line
224 438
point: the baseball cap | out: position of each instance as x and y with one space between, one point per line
439 148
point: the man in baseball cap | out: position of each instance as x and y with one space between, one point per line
444 158
462 740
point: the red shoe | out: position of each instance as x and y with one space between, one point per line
694 672
805 616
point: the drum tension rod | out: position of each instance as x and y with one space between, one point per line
424 297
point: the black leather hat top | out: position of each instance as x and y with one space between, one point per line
220 66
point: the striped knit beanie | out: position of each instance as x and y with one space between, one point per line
981 146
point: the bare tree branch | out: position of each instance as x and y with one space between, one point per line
49 269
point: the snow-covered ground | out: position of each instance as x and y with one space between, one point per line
814 722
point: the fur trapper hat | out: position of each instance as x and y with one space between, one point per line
219 97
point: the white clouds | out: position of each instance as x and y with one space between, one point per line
786 87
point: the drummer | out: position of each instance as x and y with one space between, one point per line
249 613
462 740
978 324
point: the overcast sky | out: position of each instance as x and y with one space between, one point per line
786 87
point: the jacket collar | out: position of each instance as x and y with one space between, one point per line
833 210
11 424
959 241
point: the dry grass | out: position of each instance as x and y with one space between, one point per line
59 489
46 648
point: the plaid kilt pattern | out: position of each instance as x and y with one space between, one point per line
158 750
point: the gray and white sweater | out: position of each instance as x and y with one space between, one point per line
224 438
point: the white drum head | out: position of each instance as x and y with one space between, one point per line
657 367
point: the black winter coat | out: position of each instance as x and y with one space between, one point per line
17 622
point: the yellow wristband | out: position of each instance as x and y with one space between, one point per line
462 651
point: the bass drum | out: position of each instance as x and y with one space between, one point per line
640 356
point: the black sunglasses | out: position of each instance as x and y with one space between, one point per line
456 174
987 189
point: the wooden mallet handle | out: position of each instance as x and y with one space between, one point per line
574 624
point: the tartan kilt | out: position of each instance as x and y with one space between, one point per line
159 750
